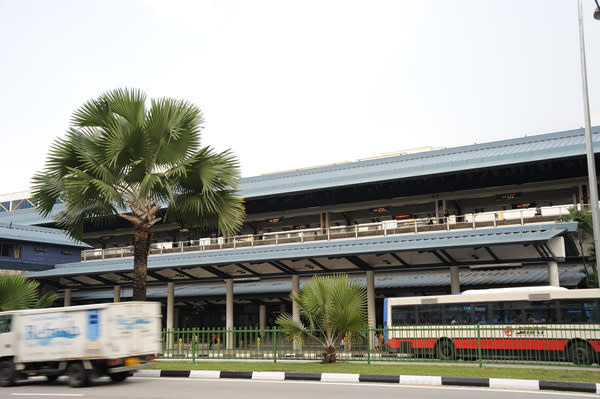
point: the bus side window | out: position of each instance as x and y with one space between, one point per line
403 315
480 313
578 311
5 323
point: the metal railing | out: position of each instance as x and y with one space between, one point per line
476 344
384 228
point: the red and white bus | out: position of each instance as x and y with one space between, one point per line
541 323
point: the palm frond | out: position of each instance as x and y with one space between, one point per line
17 292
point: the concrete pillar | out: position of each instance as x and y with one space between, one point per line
283 308
553 274
176 312
454 280
371 298
170 305
116 293
67 297
296 309
229 312
262 317
371 306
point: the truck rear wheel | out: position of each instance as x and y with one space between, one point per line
119 377
78 375
8 375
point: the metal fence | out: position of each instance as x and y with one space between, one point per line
478 344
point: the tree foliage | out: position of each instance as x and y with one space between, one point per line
122 157
585 229
332 306
18 292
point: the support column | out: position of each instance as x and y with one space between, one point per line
553 274
67 297
176 312
282 308
229 312
170 305
454 280
324 221
296 309
116 293
262 317
371 315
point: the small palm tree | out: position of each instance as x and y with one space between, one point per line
123 158
18 292
333 306
583 217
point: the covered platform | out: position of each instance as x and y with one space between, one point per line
190 273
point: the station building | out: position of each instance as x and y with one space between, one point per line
431 222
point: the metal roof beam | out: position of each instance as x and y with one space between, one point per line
398 259
73 279
318 264
178 270
102 279
491 253
278 265
358 262
441 258
247 269
218 273
157 276
541 251
447 255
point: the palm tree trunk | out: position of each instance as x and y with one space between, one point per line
329 356
141 248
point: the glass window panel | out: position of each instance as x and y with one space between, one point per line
403 315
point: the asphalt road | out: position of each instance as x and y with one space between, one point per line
184 388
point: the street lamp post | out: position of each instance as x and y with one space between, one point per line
589 146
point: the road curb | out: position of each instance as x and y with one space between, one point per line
504 383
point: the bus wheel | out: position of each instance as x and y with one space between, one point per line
445 350
8 375
580 352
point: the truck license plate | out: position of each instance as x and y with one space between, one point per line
132 361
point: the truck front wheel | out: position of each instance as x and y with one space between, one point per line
8 375
78 375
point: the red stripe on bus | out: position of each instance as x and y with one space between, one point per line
492 343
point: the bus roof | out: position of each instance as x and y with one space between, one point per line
545 288
498 294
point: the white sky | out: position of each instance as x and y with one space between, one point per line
290 84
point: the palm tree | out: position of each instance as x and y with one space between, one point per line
18 292
583 217
333 306
124 158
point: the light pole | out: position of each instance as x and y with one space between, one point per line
589 146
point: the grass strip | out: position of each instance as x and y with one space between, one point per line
571 374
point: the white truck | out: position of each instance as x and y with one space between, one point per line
82 342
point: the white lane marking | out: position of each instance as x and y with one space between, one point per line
47 394
370 384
